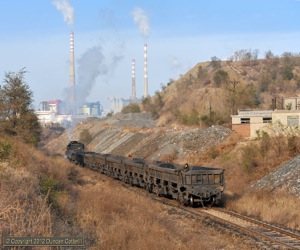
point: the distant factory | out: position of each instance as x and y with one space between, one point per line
73 110
62 113
54 113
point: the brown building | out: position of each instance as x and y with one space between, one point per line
248 122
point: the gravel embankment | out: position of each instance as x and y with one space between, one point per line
285 177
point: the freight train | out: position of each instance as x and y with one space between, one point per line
190 185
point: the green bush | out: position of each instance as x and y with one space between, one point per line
214 153
50 187
131 108
17 116
5 149
250 157
220 77
287 72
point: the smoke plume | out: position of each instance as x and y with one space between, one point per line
141 19
91 65
66 9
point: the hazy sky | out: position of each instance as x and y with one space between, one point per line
110 33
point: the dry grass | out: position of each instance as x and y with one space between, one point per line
128 129
109 216
93 206
278 207
246 162
22 211
116 218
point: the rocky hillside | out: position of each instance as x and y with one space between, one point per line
211 91
137 135
285 177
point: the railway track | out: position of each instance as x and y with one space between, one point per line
265 235
276 237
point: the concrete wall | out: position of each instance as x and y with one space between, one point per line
284 115
254 127
236 120
256 119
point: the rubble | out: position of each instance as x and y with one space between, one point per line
137 134
285 177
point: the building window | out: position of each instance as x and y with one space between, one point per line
267 119
293 121
245 120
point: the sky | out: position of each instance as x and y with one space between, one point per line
108 34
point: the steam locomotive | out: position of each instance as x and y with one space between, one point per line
190 185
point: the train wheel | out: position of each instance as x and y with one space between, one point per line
183 201
212 201
191 201
149 188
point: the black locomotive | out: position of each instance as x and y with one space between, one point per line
190 185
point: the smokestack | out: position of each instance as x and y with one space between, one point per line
72 70
145 72
133 95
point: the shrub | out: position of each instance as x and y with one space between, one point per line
131 108
250 159
49 187
220 77
214 153
265 143
287 73
5 149
215 62
85 137
293 144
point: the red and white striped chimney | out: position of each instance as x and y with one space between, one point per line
145 72
133 95
72 69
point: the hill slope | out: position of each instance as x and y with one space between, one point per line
209 93
136 134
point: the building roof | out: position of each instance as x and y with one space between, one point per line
287 111
54 101
254 113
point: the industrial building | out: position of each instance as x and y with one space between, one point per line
59 112
52 113
248 122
